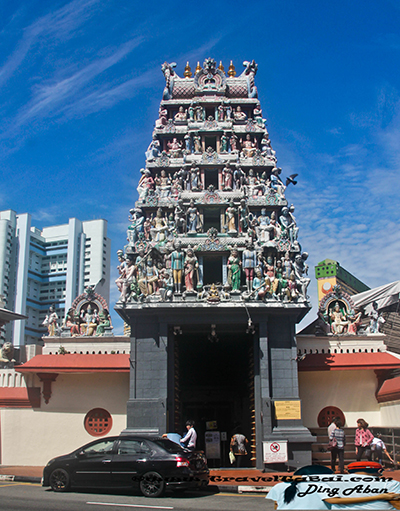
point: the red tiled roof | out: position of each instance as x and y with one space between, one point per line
390 390
76 363
348 361
19 397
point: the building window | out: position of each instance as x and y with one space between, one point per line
98 422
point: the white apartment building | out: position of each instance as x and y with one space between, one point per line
39 268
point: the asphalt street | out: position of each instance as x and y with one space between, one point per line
32 497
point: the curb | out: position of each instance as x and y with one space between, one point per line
226 488
20 479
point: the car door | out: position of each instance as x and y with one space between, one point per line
131 459
93 465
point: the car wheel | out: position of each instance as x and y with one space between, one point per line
59 480
152 485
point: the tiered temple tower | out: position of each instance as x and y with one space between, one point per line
213 279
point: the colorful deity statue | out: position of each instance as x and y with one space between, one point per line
234 270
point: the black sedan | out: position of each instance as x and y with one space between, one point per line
151 464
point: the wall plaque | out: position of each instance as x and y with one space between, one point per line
287 410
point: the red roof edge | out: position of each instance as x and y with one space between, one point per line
389 391
19 397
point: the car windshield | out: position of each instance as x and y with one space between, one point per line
168 445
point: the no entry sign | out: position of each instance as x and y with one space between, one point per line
275 452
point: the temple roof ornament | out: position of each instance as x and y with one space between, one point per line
212 223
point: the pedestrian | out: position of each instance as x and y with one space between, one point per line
298 493
378 447
189 440
337 435
238 446
363 440
332 426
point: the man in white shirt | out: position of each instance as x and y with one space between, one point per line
189 440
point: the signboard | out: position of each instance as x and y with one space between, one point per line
213 445
275 452
286 410
211 425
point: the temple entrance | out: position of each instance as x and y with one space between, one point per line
214 386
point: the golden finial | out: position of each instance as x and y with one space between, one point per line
231 70
198 68
221 67
188 71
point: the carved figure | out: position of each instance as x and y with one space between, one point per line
193 217
177 265
191 267
224 143
239 115
188 143
200 113
234 271
169 74
375 321
159 227
248 146
355 322
276 183
265 231
162 118
197 143
175 148
250 72
244 216
287 225
148 284
292 290
51 322
104 322
121 269
165 185
72 322
300 269
6 353
181 115
339 321
195 183
233 140
239 178
136 227
230 218
228 111
249 262
257 114
221 113
191 111
180 218
227 178
89 320
153 151
261 285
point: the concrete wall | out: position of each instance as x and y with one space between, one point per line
351 391
33 437
390 413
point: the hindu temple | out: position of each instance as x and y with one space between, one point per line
213 279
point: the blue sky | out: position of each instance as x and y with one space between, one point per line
81 83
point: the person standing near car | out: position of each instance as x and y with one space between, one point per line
190 439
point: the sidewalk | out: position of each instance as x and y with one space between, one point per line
237 480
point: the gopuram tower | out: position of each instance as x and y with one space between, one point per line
213 279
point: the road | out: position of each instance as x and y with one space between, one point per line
32 497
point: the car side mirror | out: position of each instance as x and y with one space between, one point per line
81 454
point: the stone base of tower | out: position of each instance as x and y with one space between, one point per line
204 363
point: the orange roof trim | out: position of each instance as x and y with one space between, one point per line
390 391
348 361
76 363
